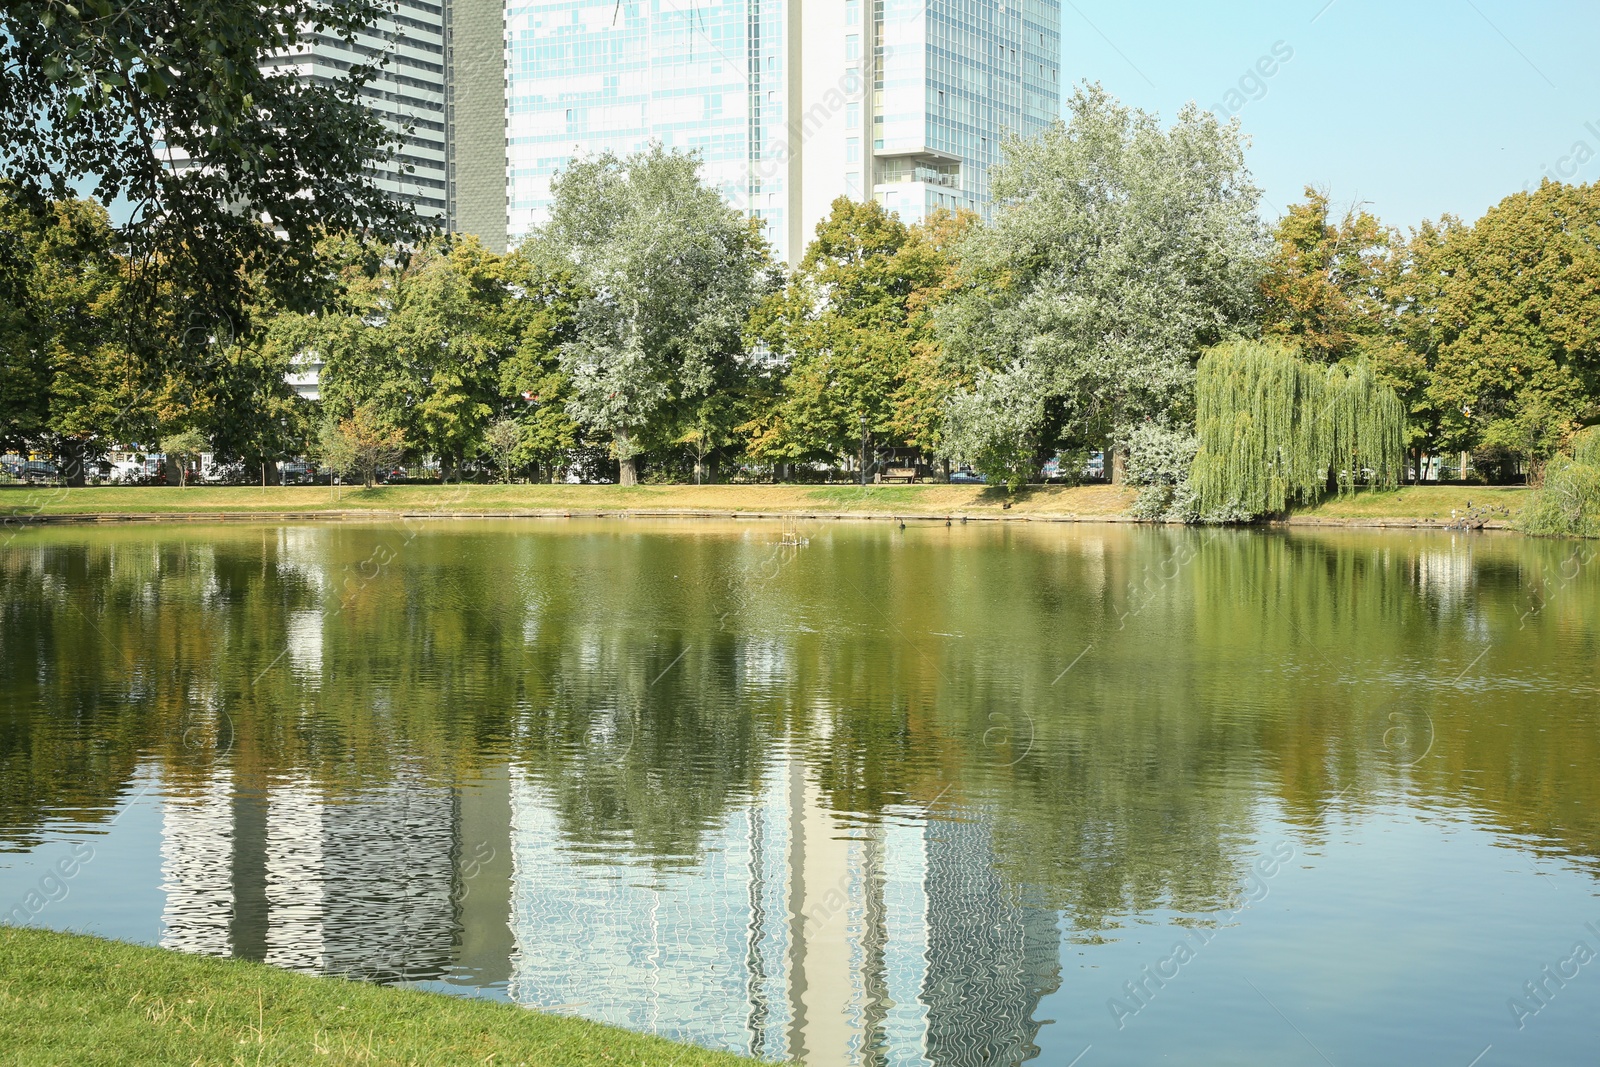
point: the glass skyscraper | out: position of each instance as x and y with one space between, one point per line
790 105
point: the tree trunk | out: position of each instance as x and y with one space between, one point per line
627 462
863 462
1119 466
944 468
71 455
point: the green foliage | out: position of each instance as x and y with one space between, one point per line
110 93
1159 461
184 449
853 335
1322 291
1275 430
1119 251
1568 501
1519 312
668 274
362 443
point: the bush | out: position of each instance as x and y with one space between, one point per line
1568 503
1159 458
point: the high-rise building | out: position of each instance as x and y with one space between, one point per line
442 86
790 105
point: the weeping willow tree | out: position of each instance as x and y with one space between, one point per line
1275 430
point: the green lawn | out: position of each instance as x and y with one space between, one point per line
724 499
1420 502
69 999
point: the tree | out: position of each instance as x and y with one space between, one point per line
65 383
1119 252
1568 502
232 167
853 336
184 448
1275 430
362 443
1518 307
669 274
503 438
533 388
1323 288
420 336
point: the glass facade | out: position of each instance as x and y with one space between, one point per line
955 78
904 100
589 77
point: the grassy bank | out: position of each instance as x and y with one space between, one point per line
502 499
1438 503
1421 504
69 999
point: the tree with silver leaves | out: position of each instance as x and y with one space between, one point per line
669 274
1119 252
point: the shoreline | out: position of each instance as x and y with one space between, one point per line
376 515
1414 507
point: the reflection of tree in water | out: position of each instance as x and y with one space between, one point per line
1224 666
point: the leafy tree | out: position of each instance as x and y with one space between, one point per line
420 337
232 167
503 438
1518 307
1276 430
362 442
533 388
1568 502
184 448
1119 252
854 336
65 383
669 274
1323 288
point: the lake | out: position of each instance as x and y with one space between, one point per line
841 792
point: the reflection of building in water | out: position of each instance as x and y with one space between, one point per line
794 937
364 885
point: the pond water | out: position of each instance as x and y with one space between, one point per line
845 793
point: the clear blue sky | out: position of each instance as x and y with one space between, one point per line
1418 107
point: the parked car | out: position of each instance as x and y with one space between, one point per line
39 470
967 476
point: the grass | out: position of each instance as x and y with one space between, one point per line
70 999
725 499
1419 503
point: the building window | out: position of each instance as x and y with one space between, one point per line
852 46
852 184
852 12
852 150
852 115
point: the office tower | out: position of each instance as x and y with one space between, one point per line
790 105
442 86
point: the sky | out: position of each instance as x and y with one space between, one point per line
1410 108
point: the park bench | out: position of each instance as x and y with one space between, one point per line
900 474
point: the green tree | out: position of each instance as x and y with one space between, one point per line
1119 252
534 390
232 167
1323 287
852 332
184 449
66 385
669 274
362 442
1518 365
1276 430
